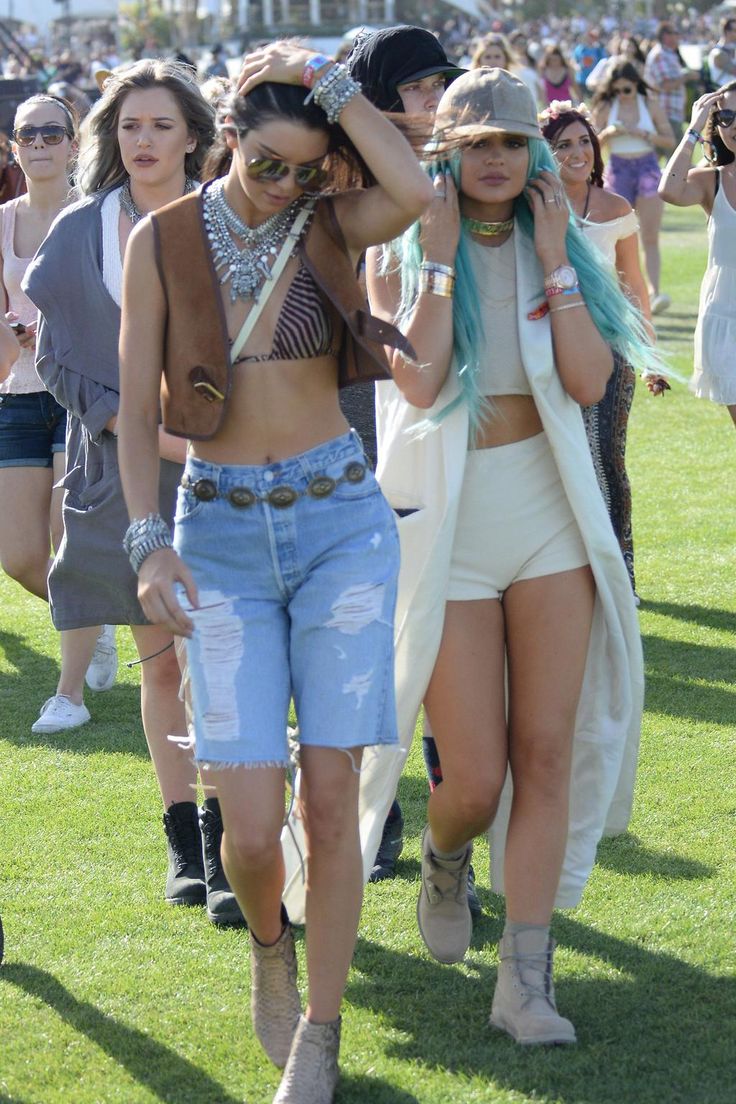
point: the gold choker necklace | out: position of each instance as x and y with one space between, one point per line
488 229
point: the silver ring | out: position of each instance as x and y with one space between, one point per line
553 200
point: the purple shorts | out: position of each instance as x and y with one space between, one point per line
633 177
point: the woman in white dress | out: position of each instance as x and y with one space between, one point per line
713 186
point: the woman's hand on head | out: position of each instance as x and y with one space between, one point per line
440 224
158 573
701 110
282 62
548 201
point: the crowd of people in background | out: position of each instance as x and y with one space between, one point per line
554 147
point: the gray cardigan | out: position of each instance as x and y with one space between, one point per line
91 582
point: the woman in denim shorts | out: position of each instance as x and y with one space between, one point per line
32 423
284 576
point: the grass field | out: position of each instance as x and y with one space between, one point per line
108 996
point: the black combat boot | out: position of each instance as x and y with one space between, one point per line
222 907
185 878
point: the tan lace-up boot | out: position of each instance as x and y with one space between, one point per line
311 1074
524 1000
444 919
275 1005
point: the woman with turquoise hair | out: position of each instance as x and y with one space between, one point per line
511 574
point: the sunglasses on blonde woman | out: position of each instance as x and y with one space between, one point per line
52 134
308 178
724 117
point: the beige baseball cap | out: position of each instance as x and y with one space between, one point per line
488 99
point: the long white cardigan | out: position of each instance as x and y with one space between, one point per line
427 475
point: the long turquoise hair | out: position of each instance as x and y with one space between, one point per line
620 324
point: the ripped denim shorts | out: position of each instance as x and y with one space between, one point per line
296 600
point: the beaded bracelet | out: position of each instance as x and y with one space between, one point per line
334 91
144 536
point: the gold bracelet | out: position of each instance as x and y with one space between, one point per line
566 306
436 283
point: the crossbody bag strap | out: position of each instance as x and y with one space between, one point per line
286 250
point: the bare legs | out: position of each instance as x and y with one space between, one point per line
77 646
252 804
649 209
25 526
163 714
544 625
548 626
465 705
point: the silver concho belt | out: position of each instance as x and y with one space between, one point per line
322 486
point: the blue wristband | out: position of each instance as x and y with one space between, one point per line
312 67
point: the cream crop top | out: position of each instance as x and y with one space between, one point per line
629 143
502 370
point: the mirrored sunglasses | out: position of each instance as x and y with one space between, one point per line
724 117
308 178
52 134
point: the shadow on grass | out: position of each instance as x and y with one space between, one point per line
626 855
361 1090
172 1078
654 1029
709 618
115 726
671 665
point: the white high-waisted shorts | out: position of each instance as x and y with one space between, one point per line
514 521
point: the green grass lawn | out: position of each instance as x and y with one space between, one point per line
108 996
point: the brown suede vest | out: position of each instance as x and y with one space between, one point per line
197 375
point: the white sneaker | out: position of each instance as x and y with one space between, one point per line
660 303
103 666
59 713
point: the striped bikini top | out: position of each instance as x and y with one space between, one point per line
304 328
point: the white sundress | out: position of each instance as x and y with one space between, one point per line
714 375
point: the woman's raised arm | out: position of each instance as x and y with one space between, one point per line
402 191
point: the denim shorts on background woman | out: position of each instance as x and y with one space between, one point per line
294 601
32 429
633 177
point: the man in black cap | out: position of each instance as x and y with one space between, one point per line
401 69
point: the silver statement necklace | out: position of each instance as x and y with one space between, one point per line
127 203
245 266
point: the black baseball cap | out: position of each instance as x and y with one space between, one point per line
381 60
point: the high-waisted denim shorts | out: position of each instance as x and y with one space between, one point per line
32 429
295 601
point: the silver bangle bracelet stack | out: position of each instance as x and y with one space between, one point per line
144 536
333 91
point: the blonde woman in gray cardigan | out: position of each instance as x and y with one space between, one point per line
142 147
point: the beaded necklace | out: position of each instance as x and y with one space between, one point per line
127 203
249 265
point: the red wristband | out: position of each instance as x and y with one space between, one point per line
312 67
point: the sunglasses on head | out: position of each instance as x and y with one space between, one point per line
724 117
52 134
308 178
